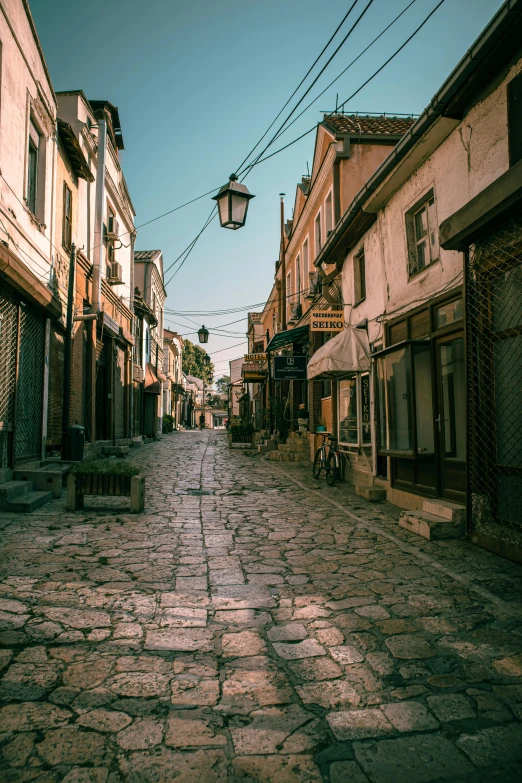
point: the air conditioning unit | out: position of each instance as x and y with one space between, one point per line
113 228
115 274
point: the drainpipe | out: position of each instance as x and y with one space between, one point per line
99 247
133 349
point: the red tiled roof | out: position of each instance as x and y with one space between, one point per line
368 125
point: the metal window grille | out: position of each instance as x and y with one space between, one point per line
30 386
56 371
494 345
8 351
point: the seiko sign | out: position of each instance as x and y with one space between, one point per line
327 321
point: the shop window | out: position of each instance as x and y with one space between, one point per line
348 429
359 277
355 411
404 383
422 234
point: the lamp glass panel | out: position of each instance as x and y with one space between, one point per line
223 209
239 207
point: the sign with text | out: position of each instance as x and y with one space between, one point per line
327 321
255 357
290 368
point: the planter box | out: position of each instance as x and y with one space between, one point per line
241 441
106 485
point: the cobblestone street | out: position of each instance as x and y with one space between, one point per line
252 625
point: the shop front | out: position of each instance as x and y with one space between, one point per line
421 401
344 364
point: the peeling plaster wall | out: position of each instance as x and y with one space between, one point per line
25 91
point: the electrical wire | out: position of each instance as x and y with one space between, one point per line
307 74
396 19
370 78
314 82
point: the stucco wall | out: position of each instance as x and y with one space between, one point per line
25 91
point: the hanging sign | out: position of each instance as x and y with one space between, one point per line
327 321
255 357
290 368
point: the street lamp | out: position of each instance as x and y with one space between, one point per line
203 335
232 201
206 360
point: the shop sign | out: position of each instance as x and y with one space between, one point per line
365 409
290 368
255 357
327 321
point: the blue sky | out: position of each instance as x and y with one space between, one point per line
198 83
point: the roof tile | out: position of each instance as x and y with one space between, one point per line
368 125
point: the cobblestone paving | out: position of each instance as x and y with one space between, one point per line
252 625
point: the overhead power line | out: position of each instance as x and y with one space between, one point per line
301 99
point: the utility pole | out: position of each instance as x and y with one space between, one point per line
67 351
283 264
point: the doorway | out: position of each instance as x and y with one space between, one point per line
451 416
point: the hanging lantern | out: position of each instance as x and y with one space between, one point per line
206 360
232 201
203 335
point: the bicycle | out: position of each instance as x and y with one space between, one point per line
328 458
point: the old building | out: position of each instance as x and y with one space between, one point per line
101 397
148 278
30 295
174 388
411 406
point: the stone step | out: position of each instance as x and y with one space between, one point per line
43 480
371 493
454 512
268 445
293 448
30 501
11 490
430 526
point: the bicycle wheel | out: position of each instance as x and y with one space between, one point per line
331 469
318 464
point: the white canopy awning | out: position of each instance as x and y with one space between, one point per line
344 354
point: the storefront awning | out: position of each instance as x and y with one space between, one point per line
287 337
152 384
344 354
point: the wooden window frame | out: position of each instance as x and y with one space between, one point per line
359 277
413 241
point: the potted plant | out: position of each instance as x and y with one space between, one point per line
108 478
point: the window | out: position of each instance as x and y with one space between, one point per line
306 276
514 102
298 277
422 234
328 215
67 218
318 238
33 155
354 411
326 389
359 277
